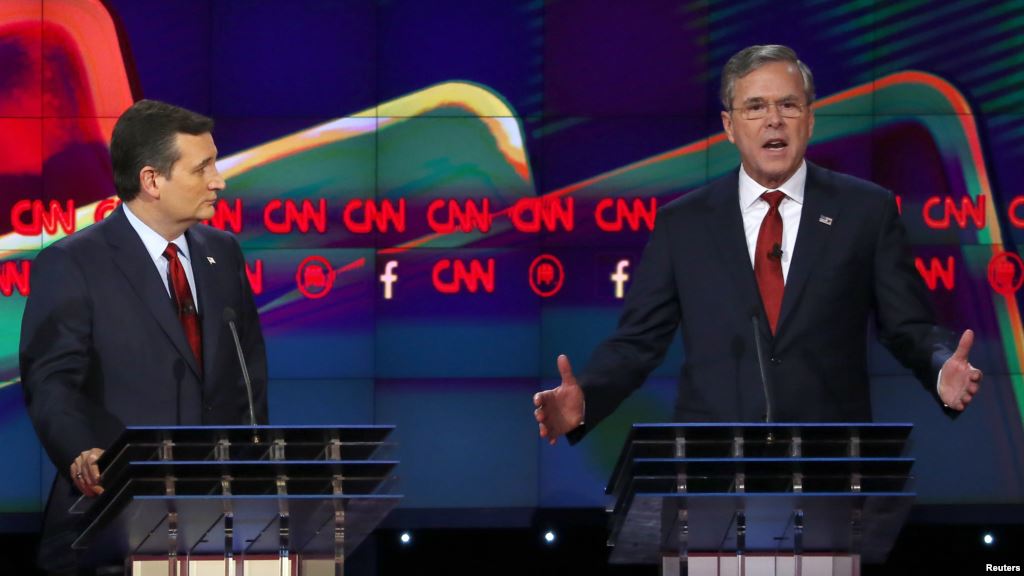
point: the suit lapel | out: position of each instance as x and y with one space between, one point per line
725 229
211 305
811 240
135 263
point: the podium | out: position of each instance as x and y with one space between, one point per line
298 495
721 498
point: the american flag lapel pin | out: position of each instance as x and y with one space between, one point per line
826 220
212 261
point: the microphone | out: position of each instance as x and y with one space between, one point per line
764 373
776 252
229 318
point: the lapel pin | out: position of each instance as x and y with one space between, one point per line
825 220
212 261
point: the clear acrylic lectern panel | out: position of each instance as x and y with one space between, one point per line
787 490
237 492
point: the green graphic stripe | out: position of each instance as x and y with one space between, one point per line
897 8
879 16
1006 100
1017 380
842 11
865 41
897 29
940 34
730 10
1001 84
994 59
965 44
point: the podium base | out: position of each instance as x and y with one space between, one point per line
762 565
216 566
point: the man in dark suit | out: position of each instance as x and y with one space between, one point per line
126 321
802 255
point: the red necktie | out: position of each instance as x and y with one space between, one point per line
768 258
184 302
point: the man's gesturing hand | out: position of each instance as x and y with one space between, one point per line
560 410
960 381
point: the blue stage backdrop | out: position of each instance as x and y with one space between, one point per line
437 198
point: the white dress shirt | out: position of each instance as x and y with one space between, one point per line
754 209
155 245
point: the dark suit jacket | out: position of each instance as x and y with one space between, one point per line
696 276
102 348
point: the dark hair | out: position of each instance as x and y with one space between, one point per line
753 57
145 135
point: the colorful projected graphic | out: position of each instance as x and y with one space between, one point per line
426 230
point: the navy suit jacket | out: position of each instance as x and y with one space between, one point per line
102 348
696 277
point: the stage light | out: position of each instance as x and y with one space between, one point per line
549 537
988 539
405 538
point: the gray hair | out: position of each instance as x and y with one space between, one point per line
753 57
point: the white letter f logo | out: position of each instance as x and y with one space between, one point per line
388 278
619 278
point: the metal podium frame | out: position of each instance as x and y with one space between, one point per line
295 493
781 490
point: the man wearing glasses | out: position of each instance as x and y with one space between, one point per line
781 254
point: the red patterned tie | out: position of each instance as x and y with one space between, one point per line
768 258
185 304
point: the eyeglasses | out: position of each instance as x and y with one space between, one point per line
758 109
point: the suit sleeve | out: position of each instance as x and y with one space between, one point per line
251 337
906 323
650 317
54 357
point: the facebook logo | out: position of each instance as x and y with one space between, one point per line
388 278
619 278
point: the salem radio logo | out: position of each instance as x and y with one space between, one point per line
314 277
1006 273
546 275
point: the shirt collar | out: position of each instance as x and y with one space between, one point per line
155 243
750 191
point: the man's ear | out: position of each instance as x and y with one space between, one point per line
727 125
149 182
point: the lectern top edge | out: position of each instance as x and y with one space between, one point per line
766 424
758 433
267 427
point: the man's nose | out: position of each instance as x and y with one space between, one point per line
774 117
218 182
